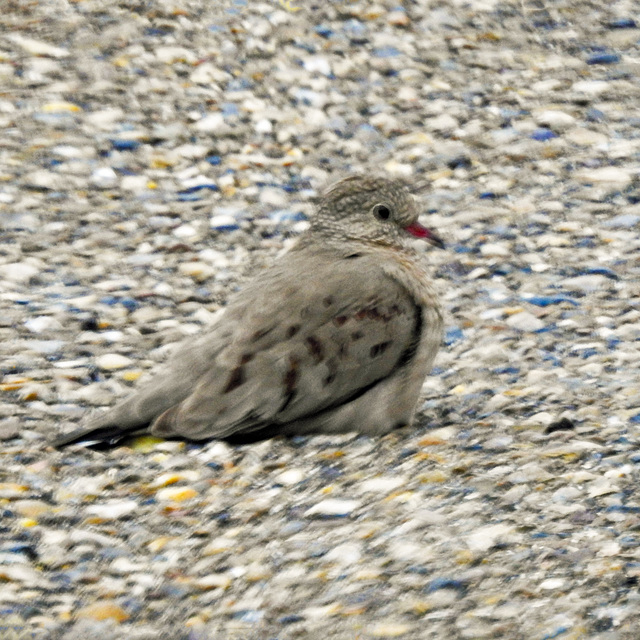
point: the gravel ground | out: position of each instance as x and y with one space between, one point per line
155 153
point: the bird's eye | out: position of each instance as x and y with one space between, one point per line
381 211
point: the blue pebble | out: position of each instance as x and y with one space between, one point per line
248 615
601 271
230 109
446 583
198 187
386 52
129 303
623 23
595 115
188 197
554 634
354 28
214 160
545 301
487 195
623 221
110 300
283 215
238 84
603 58
635 419
324 31
452 335
124 145
290 619
542 135
509 370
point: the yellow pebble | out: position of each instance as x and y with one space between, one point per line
132 375
176 494
58 107
145 444
28 522
105 610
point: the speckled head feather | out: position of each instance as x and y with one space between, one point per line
368 208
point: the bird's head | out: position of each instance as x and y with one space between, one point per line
370 208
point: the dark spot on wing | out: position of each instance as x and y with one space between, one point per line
340 320
291 376
246 357
409 353
236 378
315 348
343 350
351 256
328 301
357 335
329 379
292 330
260 334
379 349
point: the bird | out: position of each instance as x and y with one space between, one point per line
338 335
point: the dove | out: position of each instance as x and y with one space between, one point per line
338 335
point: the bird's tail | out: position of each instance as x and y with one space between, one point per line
106 436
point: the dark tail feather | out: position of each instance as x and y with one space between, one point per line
97 437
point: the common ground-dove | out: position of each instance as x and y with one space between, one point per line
338 335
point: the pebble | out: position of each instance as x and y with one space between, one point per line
113 509
333 507
113 362
104 610
525 321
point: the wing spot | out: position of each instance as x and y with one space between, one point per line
315 348
329 379
246 357
236 379
379 349
260 334
292 330
357 335
328 301
291 376
340 320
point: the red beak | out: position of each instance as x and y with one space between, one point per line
417 230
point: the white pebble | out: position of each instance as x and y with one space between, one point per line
616 175
212 123
113 509
42 323
554 119
104 178
333 507
382 484
525 321
113 361
19 272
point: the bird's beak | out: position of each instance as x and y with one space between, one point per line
417 230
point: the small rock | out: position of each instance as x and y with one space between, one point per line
333 507
113 509
113 361
103 610
525 321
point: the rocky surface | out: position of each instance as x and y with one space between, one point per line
155 154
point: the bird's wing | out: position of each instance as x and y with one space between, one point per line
299 343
